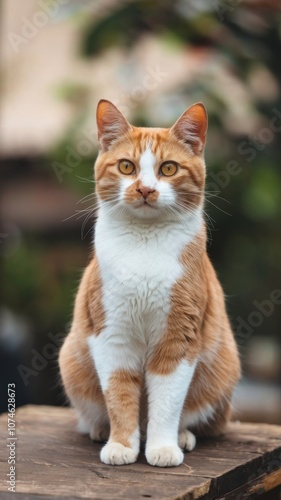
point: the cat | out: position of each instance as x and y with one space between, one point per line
150 347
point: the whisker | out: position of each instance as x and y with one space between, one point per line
219 208
84 179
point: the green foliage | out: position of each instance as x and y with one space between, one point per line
126 24
72 92
75 168
40 281
262 199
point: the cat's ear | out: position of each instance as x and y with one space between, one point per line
111 124
191 127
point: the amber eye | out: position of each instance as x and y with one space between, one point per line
126 167
168 168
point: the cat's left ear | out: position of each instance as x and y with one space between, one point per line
191 127
111 124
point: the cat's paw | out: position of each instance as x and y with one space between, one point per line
187 440
167 456
99 433
117 454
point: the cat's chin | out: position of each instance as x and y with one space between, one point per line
145 211
153 212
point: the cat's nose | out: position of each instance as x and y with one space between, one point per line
145 191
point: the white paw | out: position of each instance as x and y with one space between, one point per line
187 440
167 456
117 454
99 433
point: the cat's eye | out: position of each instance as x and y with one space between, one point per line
126 167
168 168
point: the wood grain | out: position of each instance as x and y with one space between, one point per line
54 461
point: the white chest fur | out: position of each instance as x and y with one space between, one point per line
139 264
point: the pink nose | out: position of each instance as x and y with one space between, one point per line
145 191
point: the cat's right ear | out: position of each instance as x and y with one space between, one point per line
111 124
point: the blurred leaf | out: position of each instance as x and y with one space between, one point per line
262 199
72 92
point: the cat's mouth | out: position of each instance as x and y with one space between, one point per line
145 203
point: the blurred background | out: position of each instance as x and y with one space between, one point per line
152 59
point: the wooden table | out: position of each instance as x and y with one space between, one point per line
53 461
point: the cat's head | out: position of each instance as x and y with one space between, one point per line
150 173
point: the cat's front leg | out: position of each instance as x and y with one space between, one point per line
120 377
166 395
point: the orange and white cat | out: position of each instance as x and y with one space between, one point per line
149 316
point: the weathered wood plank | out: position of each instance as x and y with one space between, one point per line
54 461
267 483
